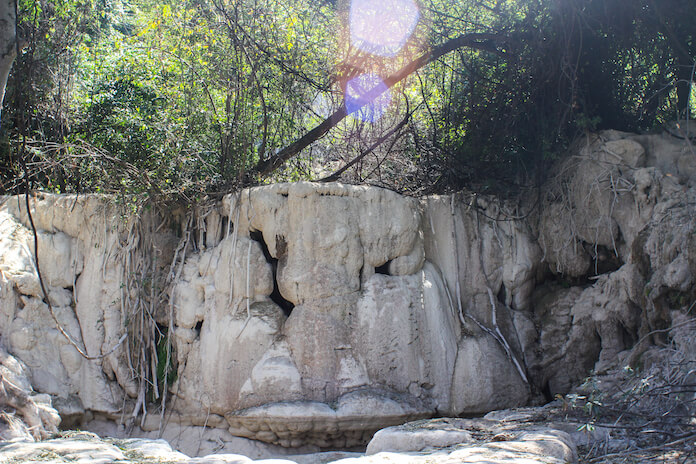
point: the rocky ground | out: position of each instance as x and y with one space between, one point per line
507 439
557 433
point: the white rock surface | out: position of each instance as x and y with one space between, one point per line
467 440
316 293
350 328
76 247
436 441
417 436
63 450
352 421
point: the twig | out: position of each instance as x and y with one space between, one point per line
645 450
501 339
370 149
477 41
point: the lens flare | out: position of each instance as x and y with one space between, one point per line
382 27
367 97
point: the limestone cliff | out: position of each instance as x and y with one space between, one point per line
316 314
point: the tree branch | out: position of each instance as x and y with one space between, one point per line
479 41
370 149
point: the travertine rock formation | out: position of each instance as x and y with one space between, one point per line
316 314
621 243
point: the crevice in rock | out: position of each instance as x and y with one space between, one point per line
176 228
501 294
676 299
628 339
566 281
224 225
604 260
546 391
197 239
276 296
383 269
197 328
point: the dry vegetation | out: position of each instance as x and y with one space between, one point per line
649 411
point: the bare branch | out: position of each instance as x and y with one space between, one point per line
479 41
369 150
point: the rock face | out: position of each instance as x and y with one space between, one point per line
83 277
623 254
359 334
315 314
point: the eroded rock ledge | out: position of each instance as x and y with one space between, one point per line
512 437
315 314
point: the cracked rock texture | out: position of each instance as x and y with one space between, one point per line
316 314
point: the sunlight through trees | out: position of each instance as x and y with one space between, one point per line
199 96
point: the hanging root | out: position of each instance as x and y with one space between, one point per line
501 339
82 351
248 297
172 280
235 234
248 264
496 333
146 290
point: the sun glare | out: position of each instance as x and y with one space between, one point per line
367 97
382 28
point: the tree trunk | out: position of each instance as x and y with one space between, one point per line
8 43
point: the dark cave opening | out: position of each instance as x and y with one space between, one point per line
383 269
502 294
276 296
225 227
604 259
546 392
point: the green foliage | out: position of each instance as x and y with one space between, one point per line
572 67
166 371
123 120
180 98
